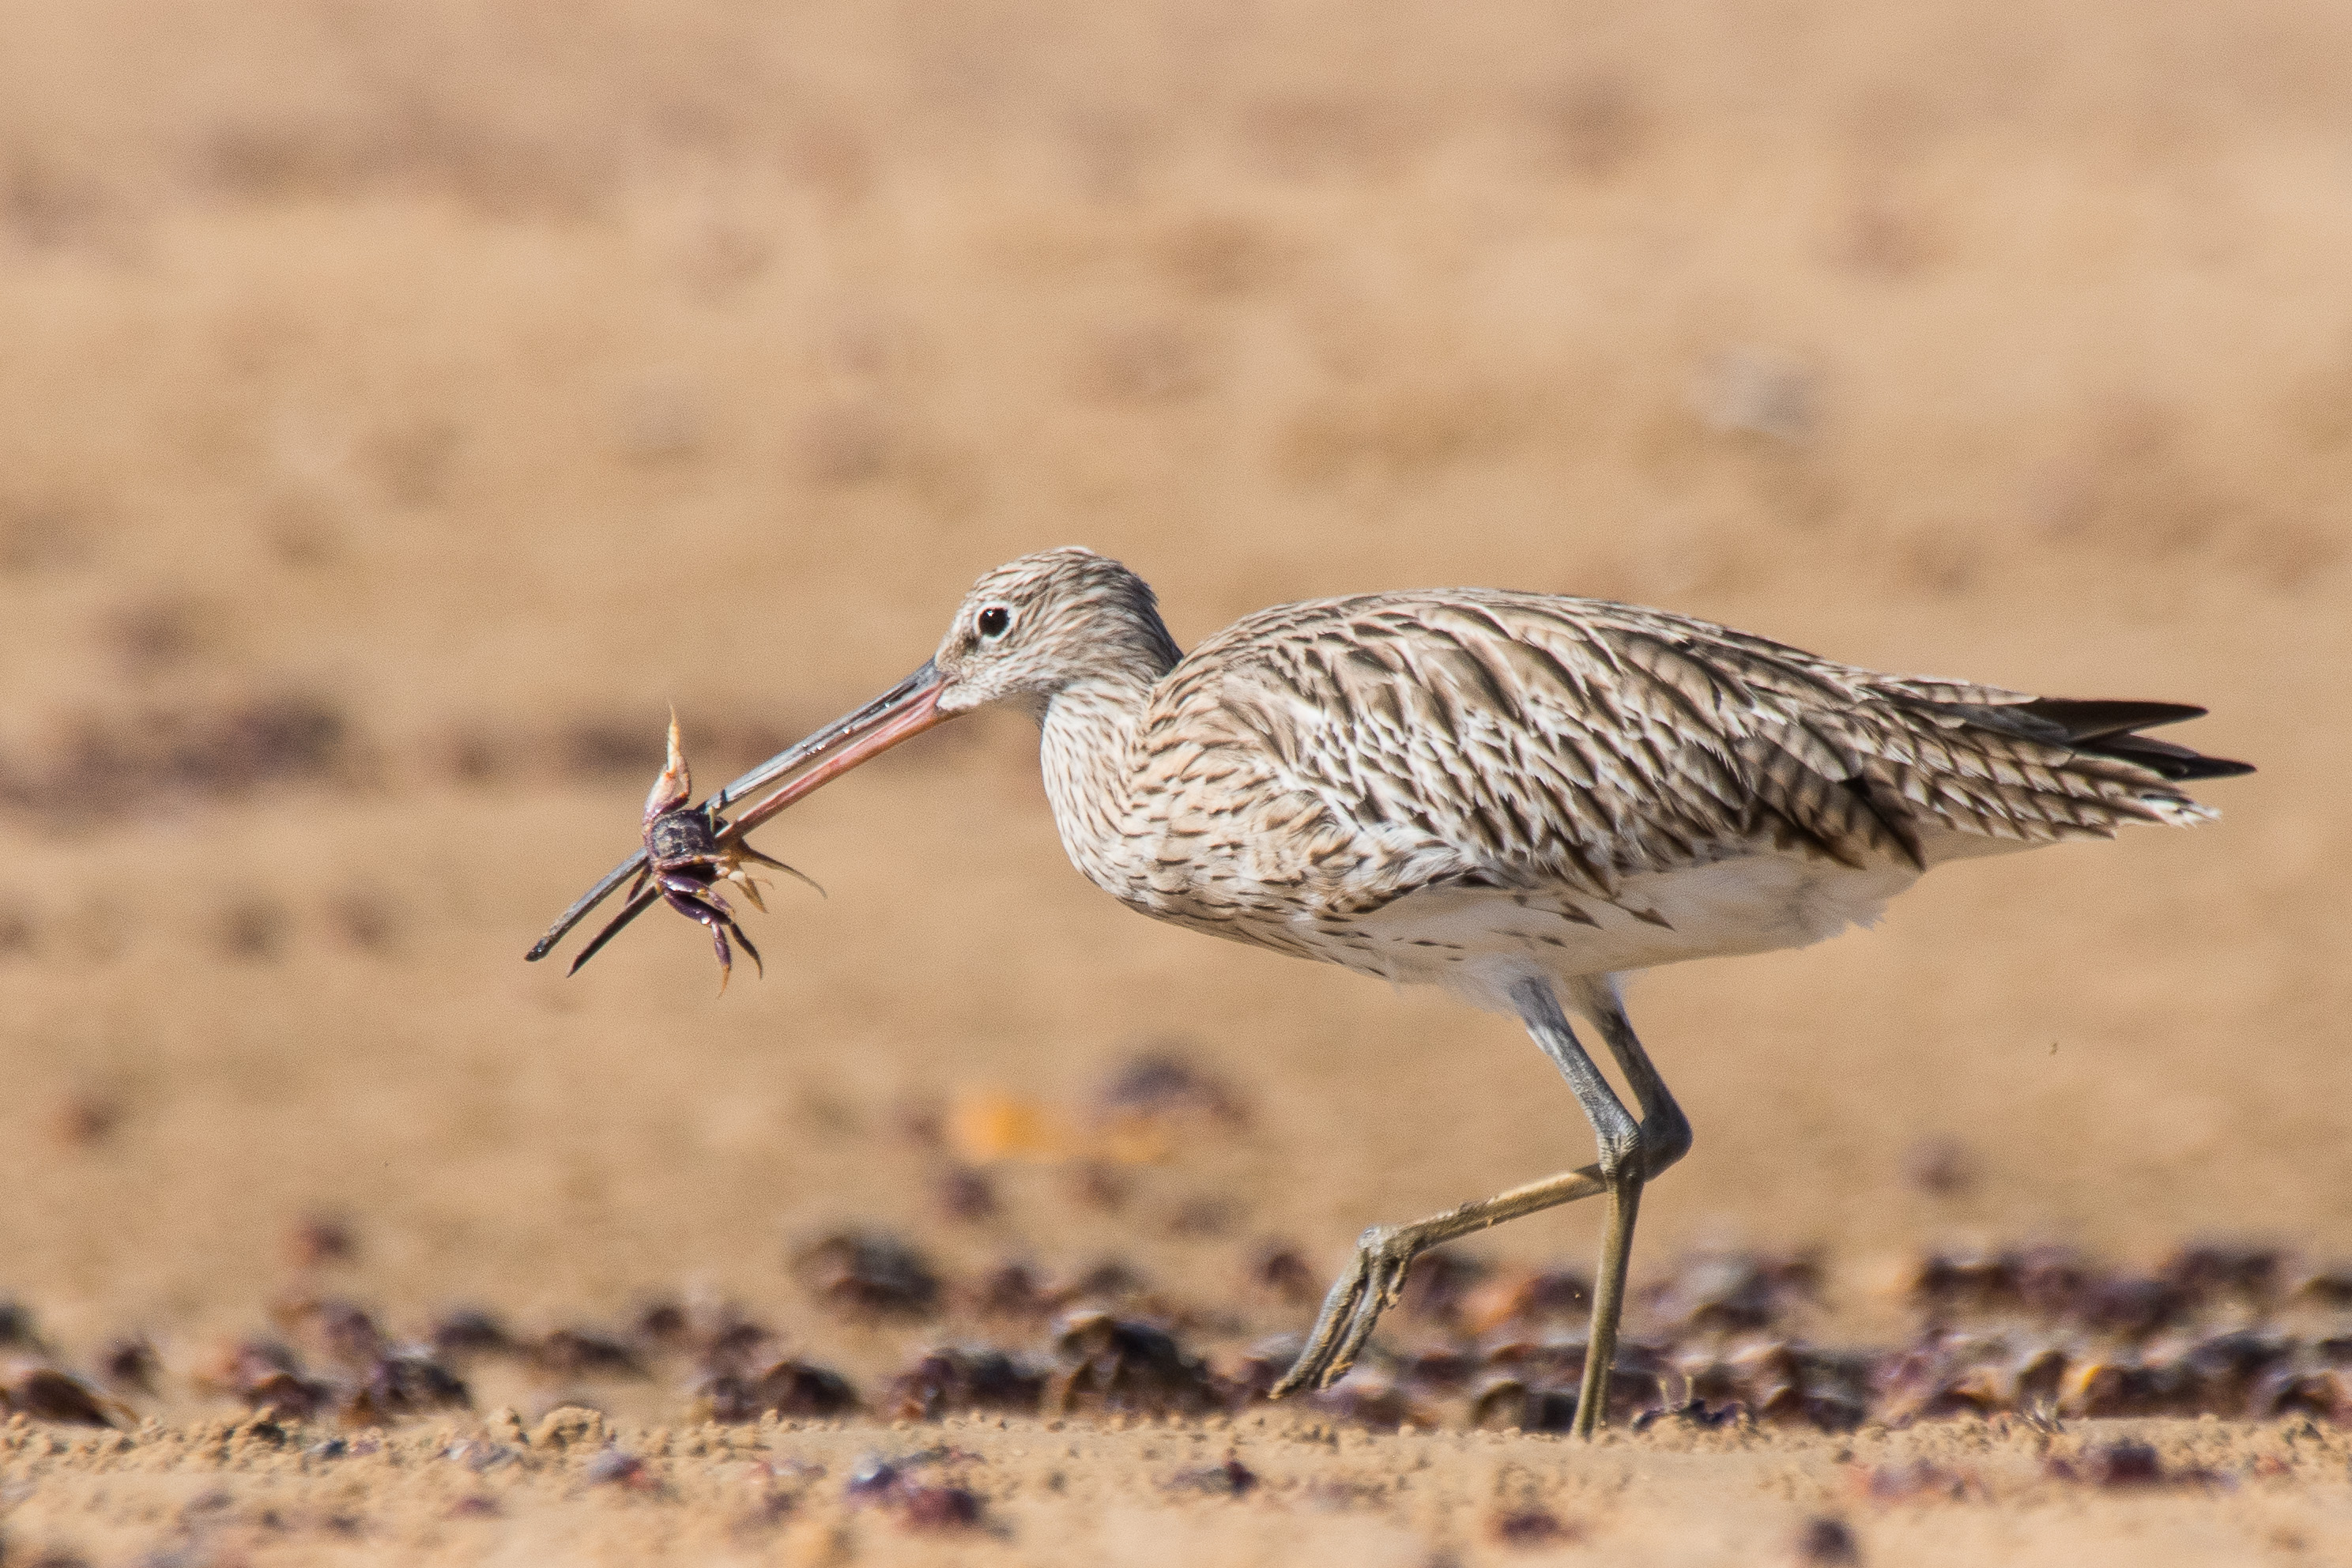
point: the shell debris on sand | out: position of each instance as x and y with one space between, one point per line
2041 1335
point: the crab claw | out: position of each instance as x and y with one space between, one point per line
674 787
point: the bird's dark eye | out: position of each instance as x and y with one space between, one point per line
993 620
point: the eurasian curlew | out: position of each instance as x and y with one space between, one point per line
1518 797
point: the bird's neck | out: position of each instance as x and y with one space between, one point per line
1086 749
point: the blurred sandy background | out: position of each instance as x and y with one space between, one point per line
400 406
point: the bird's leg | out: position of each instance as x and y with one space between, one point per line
1665 1131
1631 1153
1665 1137
1622 1167
1608 1301
1384 1254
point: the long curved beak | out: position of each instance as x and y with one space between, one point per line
904 712
907 709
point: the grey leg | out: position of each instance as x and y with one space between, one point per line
1622 1168
1665 1131
1630 1155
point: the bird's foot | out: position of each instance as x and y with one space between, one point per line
1371 1284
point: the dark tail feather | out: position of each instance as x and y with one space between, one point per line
2102 728
2095 721
2177 763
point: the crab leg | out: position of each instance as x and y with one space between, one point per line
903 711
729 869
710 910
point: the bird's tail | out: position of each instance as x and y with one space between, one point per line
2103 732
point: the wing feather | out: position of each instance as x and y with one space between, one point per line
1524 738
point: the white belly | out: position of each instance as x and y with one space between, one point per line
1479 942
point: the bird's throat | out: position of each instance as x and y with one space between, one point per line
1086 751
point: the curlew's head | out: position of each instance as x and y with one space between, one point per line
1027 632
1036 626
1059 621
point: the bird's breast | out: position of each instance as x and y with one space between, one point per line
1194 832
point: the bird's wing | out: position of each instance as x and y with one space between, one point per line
1576 741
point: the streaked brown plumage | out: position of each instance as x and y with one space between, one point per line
1519 796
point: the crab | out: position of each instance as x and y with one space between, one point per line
687 859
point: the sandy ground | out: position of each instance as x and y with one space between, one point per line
401 408
1053 1494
